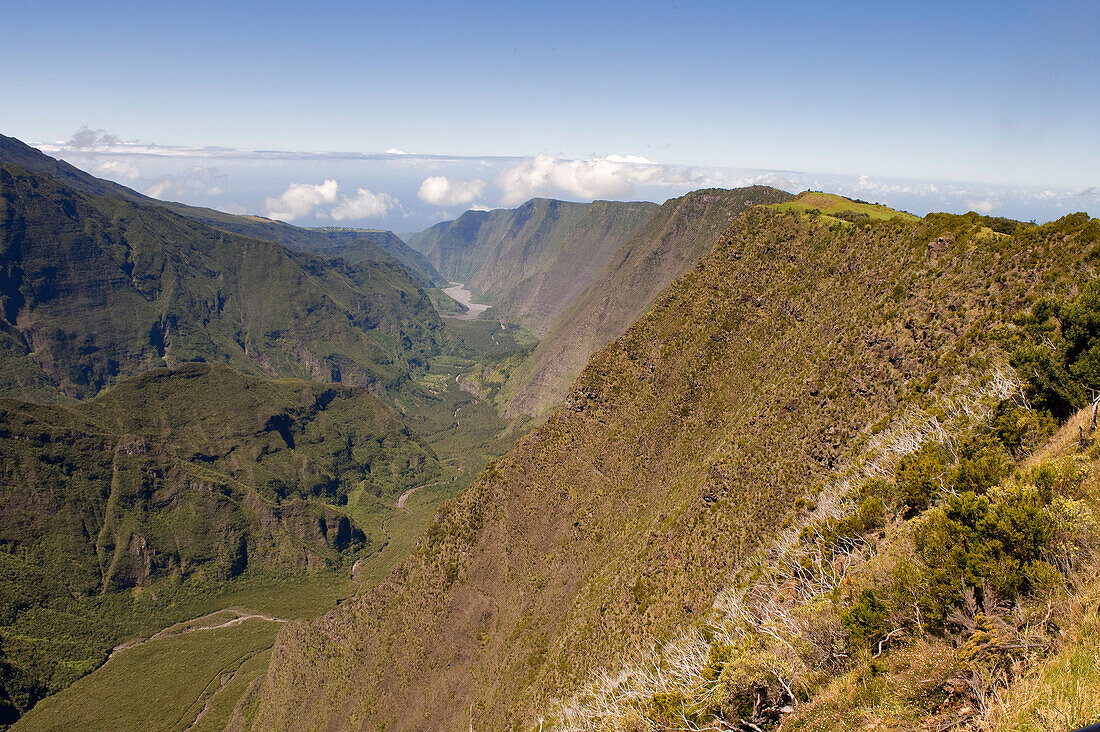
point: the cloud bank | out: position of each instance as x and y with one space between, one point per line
600 177
196 181
365 205
300 200
439 190
984 206
116 169
85 138
415 186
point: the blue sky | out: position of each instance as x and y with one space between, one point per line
999 102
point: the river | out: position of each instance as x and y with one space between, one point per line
458 291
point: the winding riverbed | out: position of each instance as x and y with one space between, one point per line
458 291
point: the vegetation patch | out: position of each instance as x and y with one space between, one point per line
838 209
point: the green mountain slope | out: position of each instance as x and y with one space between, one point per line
170 484
359 245
531 262
94 289
174 493
18 153
669 244
355 245
754 381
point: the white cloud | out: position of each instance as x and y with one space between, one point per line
866 185
300 199
984 206
85 138
98 142
441 191
734 178
632 159
603 177
116 169
197 181
365 205
176 172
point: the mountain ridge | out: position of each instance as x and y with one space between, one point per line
98 287
370 244
684 443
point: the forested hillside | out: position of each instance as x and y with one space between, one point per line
171 483
158 464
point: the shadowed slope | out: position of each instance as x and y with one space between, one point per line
531 262
93 289
668 245
362 245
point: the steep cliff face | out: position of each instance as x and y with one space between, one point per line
197 469
680 450
669 244
169 485
531 262
365 245
98 288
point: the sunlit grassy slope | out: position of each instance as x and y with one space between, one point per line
682 449
162 695
838 208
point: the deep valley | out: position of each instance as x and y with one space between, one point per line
744 460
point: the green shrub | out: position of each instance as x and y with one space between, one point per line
920 478
1019 429
982 465
665 707
1058 352
1017 521
1081 331
871 514
717 658
1058 477
747 680
834 535
865 620
978 541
